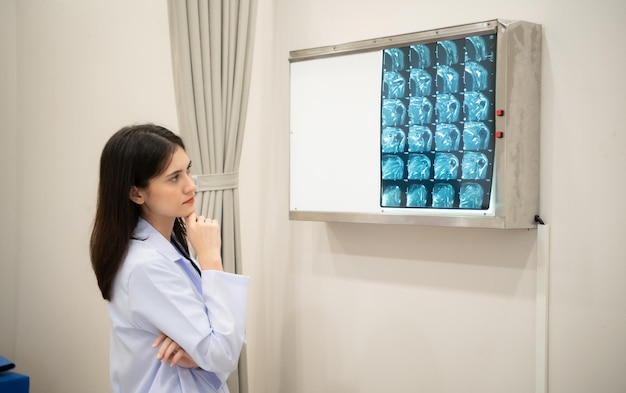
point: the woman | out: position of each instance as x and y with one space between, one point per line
177 323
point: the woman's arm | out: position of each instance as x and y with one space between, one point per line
204 236
172 353
209 325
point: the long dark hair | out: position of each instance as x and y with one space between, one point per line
131 157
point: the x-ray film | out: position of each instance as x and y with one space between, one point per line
437 124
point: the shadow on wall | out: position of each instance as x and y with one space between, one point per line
481 260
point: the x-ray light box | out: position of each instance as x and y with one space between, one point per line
439 127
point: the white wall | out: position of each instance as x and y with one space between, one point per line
84 69
334 307
8 177
367 308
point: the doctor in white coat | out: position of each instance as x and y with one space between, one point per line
177 322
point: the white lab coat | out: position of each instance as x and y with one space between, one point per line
158 291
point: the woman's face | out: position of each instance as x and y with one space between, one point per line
168 195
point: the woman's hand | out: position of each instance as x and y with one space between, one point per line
204 236
170 352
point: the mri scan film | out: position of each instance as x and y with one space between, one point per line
437 124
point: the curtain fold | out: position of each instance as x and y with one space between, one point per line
211 43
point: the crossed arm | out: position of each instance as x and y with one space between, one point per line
170 352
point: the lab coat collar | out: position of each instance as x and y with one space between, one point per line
145 232
149 237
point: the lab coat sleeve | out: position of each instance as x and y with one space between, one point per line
210 327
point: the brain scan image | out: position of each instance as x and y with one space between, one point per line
447 137
394 59
476 106
393 141
393 113
420 82
418 167
391 196
392 167
471 196
420 139
447 79
420 56
476 136
394 84
476 49
443 195
447 108
474 165
477 76
448 53
446 166
437 125
416 195
420 110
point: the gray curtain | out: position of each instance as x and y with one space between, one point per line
212 44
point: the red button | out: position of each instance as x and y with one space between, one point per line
499 112
499 134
